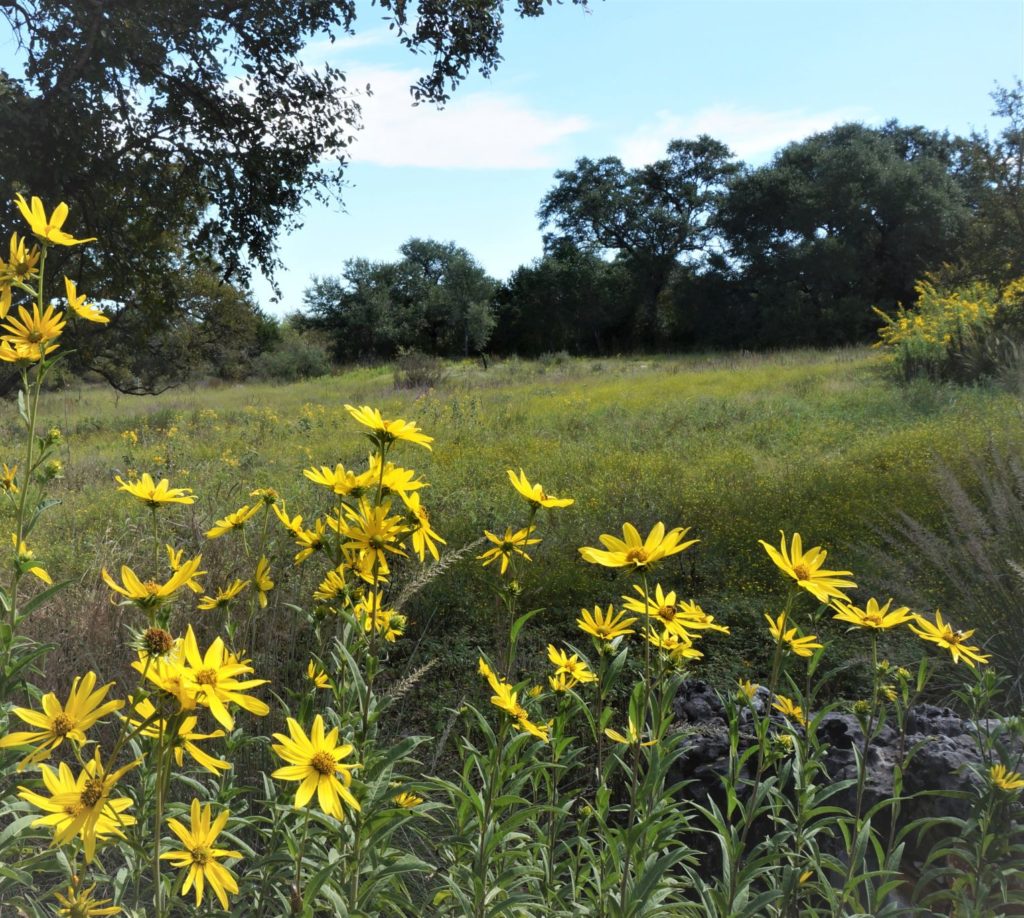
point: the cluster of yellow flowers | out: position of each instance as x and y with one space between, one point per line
506 698
377 517
359 537
84 806
32 334
805 568
942 317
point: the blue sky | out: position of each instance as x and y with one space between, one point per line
623 79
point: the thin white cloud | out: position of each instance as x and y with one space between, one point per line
476 130
752 135
324 48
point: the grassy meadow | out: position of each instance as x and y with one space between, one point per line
415 794
735 447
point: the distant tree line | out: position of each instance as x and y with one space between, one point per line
699 250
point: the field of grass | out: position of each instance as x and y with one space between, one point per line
557 795
735 447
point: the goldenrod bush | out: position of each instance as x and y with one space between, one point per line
252 756
956 331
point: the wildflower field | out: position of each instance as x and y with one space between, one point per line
333 649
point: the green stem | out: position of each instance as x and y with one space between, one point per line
156 541
631 821
773 681
862 766
480 858
158 822
298 856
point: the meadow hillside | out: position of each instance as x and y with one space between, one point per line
736 447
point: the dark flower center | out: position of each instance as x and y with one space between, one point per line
93 793
323 763
62 725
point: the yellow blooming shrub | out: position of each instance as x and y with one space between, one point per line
958 332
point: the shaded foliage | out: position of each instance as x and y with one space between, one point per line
840 222
185 131
437 298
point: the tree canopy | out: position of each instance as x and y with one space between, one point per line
649 217
436 298
842 221
180 131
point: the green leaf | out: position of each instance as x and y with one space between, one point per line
40 598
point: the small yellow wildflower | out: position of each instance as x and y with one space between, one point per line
634 552
317 676
805 567
406 800
232 521
386 432
48 228
155 495
631 737
871 616
535 495
200 855
801 646
82 309
316 762
940 633
507 546
223 596
748 689
605 626
1004 779
787 708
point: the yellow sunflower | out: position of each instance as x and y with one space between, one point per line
1004 779
57 722
340 480
787 708
48 228
149 594
223 596
605 626
316 762
872 616
79 902
801 646
535 495
507 546
185 740
33 335
940 633
393 479
572 666
261 580
213 679
200 856
82 309
633 552
424 538
153 494
317 676
805 567
373 534
630 738
232 521
386 432
81 806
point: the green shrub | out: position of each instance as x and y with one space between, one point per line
416 370
298 355
959 332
